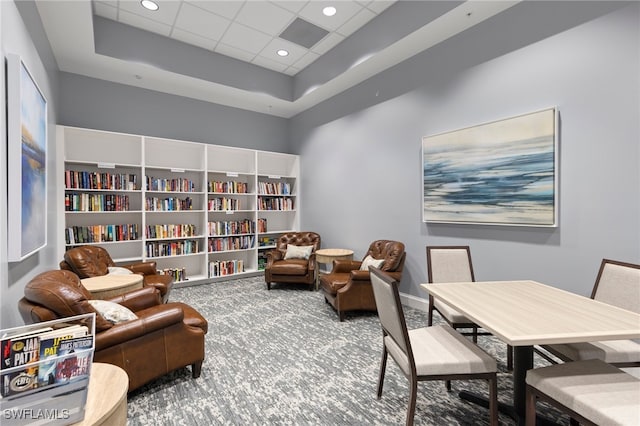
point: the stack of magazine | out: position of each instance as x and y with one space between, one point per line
44 371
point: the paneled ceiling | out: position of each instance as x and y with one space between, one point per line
226 51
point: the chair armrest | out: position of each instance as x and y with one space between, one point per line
273 255
140 299
144 268
358 275
150 320
345 265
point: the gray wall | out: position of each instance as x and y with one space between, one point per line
99 104
361 150
21 33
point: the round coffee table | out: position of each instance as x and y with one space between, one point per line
107 286
327 256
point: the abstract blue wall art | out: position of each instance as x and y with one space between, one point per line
499 173
27 161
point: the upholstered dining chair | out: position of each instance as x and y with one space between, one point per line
293 260
447 264
428 353
348 286
617 284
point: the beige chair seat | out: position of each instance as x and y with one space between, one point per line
597 391
450 314
612 351
441 350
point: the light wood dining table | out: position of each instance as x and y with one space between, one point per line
528 313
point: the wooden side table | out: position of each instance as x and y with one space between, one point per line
107 286
327 256
107 398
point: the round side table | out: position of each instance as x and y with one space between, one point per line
327 256
106 286
107 396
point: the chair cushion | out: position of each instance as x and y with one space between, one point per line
611 351
331 283
370 261
441 350
450 314
290 267
112 312
594 389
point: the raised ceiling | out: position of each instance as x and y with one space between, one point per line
224 51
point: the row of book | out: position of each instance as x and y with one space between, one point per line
229 187
275 203
155 204
84 202
178 274
101 233
170 185
173 248
234 227
74 179
279 188
262 224
266 241
222 268
244 242
44 357
223 204
169 230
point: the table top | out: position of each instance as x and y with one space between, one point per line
108 386
111 282
334 252
523 313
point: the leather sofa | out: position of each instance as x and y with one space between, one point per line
294 270
163 338
94 261
347 288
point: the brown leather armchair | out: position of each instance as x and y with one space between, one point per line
163 338
279 269
94 261
347 288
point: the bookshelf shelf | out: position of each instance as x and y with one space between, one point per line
222 185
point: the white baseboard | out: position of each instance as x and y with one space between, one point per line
414 302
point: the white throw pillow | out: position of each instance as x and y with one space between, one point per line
298 252
370 261
112 312
119 270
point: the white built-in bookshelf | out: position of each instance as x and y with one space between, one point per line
207 212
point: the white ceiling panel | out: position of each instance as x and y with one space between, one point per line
144 23
199 21
253 15
193 39
245 38
226 9
346 10
166 13
357 22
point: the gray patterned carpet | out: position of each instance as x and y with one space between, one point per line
282 357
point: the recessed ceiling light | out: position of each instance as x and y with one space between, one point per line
282 52
329 11
151 5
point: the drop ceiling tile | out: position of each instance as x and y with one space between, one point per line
194 39
106 11
379 6
327 43
293 6
265 17
165 14
312 12
357 22
112 3
268 63
245 38
306 60
295 52
291 71
200 22
234 52
144 23
226 9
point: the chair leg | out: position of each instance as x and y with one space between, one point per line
341 316
196 368
383 367
573 422
509 358
268 286
530 418
430 314
475 334
411 410
447 384
493 401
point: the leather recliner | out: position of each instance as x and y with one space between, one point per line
163 338
94 261
347 288
281 270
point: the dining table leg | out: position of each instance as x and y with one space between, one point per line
522 361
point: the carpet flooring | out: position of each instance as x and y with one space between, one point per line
282 357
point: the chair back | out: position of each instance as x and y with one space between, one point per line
449 264
303 238
87 261
618 284
391 251
390 313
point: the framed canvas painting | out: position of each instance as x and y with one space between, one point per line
27 162
499 173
